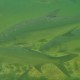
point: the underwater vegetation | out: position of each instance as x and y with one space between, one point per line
40 40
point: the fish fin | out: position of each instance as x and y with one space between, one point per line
67 57
61 60
38 67
25 74
53 13
69 33
63 69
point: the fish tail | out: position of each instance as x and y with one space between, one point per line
60 63
67 57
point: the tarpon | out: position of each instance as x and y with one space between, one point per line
22 30
72 34
37 59
21 55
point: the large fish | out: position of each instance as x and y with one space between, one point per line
23 55
39 59
70 35
22 30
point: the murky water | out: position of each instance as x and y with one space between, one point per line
51 27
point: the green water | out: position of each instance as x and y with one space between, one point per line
51 27
14 11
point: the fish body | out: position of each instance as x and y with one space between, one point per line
22 55
70 35
22 30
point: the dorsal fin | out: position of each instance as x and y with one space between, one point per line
53 13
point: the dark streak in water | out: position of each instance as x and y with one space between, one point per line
53 13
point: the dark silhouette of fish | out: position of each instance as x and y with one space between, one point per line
23 55
72 34
21 30
37 59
